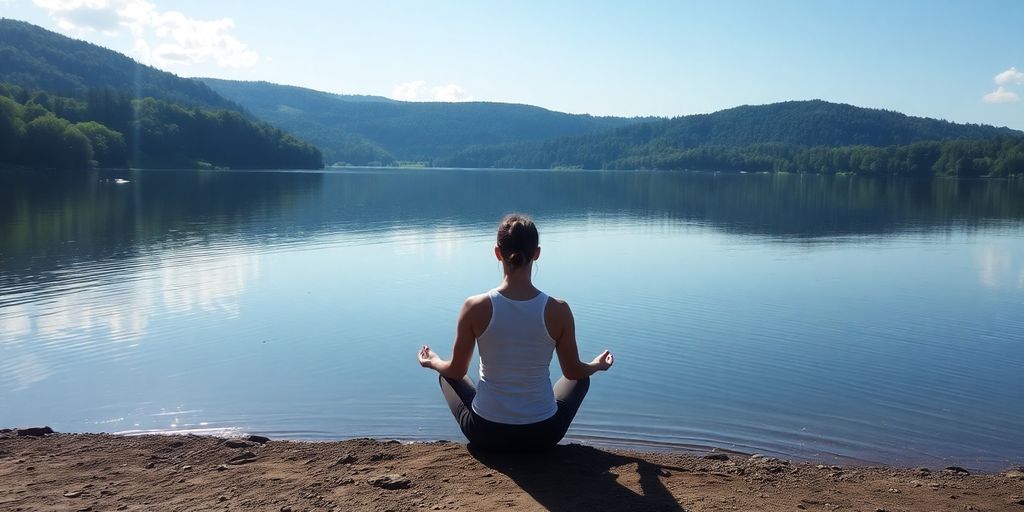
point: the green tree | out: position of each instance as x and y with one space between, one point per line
51 142
12 128
108 146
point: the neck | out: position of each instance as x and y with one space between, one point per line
517 279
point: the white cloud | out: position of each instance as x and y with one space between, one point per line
163 38
1005 83
450 92
1001 95
408 91
1010 77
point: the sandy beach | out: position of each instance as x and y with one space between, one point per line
101 472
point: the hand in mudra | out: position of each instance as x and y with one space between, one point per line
603 361
427 357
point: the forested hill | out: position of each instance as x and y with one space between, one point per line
806 123
66 103
36 58
366 129
795 136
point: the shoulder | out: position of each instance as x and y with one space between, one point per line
557 311
476 311
477 302
558 306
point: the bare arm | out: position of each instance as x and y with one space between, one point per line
562 328
466 331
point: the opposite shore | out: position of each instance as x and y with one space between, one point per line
185 472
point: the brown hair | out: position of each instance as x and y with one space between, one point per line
517 239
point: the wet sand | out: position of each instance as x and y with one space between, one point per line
101 472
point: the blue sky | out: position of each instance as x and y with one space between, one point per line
956 60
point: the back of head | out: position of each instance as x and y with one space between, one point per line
517 240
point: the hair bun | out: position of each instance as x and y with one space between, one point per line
517 239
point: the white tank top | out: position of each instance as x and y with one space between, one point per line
515 354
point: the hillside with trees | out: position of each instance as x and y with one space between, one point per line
106 129
68 104
796 136
38 59
362 130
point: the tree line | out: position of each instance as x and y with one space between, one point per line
1002 156
110 129
999 157
794 136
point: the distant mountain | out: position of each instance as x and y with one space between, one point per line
66 103
756 137
810 123
364 129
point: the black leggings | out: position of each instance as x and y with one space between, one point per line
490 435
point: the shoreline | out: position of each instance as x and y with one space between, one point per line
92 472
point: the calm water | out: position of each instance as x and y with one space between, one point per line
805 317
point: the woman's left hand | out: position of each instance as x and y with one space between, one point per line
427 357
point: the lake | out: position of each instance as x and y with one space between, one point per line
812 318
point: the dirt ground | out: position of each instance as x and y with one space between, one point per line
100 472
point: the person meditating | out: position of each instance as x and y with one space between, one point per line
517 328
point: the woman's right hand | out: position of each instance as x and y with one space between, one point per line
427 358
603 361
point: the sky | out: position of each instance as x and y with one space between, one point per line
956 60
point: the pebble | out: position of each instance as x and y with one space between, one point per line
258 439
348 458
72 494
243 458
957 470
286 508
33 431
1013 473
390 482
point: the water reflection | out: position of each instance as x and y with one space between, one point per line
204 283
49 222
999 267
768 313
24 370
118 308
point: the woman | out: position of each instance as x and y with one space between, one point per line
517 327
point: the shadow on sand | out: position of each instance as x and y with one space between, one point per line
575 477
